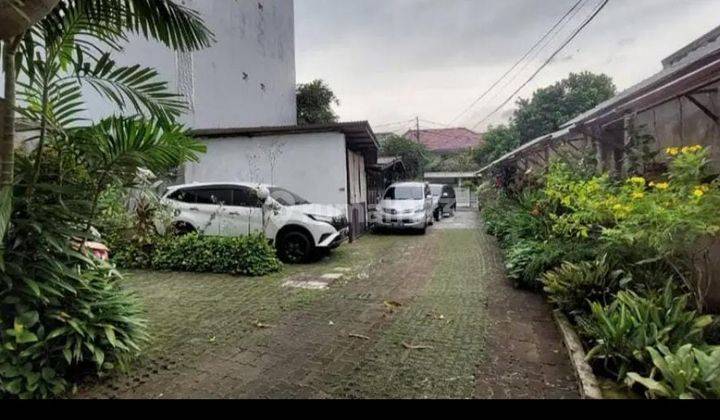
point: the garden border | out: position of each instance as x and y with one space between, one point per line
587 381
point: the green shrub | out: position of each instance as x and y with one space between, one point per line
52 331
248 255
132 220
713 332
686 373
511 220
572 287
528 260
622 331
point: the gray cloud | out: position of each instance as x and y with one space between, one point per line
391 59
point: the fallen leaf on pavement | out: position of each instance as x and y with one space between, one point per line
362 337
416 347
260 325
392 304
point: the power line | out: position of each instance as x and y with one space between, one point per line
434 123
545 64
536 54
527 54
394 123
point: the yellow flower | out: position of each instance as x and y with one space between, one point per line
672 151
698 192
662 186
637 180
705 188
638 195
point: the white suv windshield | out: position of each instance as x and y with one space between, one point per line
405 193
287 198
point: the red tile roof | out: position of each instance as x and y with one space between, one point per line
447 139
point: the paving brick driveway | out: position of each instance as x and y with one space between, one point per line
412 317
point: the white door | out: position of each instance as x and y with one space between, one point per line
243 215
210 209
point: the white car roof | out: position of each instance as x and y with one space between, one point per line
218 184
409 184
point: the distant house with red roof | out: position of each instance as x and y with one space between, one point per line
447 140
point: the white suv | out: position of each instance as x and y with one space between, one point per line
296 227
407 205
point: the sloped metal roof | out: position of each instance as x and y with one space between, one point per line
692 61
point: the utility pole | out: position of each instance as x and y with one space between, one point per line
417 127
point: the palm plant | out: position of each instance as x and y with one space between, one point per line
61 312
68 37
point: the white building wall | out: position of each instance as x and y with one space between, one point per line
311 165
246 79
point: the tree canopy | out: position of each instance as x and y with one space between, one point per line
315 102
414 155
546 111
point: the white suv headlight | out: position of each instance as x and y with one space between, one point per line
420 211
319 218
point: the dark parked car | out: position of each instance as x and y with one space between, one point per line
447 200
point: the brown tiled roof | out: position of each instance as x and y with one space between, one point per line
447 139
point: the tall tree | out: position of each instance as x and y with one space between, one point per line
315 102
498 141
415 156
544 113
555 105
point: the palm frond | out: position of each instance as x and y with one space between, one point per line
118 146
176 26
131 87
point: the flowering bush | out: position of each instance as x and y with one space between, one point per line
674 218
653 226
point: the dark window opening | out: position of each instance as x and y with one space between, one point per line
214 196
245 197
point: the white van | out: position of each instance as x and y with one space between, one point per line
296 227
406 205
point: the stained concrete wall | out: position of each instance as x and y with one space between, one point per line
311 165
246 79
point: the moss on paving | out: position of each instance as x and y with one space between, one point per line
448 317
191 314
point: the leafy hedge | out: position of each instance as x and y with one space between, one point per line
51 331
620 257
247 255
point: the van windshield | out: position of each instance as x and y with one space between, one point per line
405 193
286 198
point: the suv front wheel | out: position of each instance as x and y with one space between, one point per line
295 247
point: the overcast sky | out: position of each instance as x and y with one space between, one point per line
388 60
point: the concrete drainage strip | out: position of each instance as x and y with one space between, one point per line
587 381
